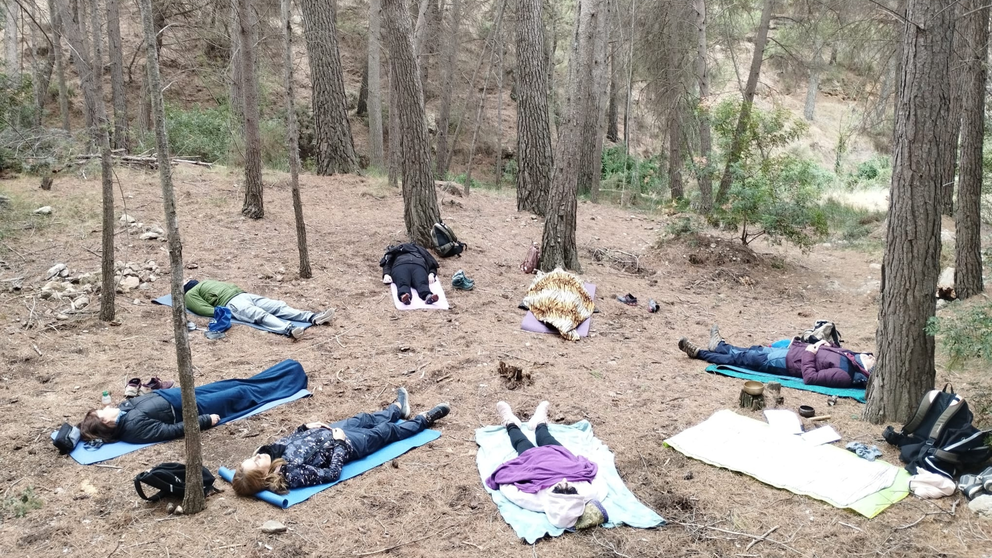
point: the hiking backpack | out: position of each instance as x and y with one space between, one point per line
822 330
445 242
940 437
170 480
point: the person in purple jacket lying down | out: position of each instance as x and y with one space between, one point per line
818 364
547 477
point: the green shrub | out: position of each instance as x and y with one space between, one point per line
850 223
621 168
19 506
203 133
965 333
875 172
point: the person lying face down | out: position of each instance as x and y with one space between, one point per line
818 364
315 453
548 477
410 265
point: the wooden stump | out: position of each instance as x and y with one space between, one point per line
755 402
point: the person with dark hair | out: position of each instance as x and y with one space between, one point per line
818 364
410 265
315 453
158 416
201 297
547 477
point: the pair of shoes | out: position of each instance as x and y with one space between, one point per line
324 317
154 384
403 402
405 298
133 388
975 485
296 332
715 338
460 281
628 299
439 411
507 417
431 299
688 347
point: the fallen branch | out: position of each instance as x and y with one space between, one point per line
143 160
761 538
395 546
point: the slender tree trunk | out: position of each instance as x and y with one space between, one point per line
236 93
968 239
59 66
117 93
705 139
101 137
534 152
905 367
253 206
420 210
377 158
591 149
41 62
675 161
447 77
612 109
293 140
193 500
950 162
144 116
482 98
420 34
498 47
814 80
395 140
335 149
363 92
737 141
12 41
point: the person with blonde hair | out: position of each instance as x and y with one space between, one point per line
315 453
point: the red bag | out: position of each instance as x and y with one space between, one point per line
533 257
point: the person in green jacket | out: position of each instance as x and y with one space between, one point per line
271 315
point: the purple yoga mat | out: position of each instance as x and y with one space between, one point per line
531 323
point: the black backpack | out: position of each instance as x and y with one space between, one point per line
445 242
170 480
940 437
822 330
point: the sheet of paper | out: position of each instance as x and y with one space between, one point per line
820 436
784 420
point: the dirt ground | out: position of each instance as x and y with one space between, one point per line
628 378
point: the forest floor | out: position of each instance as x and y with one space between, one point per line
628 378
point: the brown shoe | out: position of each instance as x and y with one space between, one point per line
689 348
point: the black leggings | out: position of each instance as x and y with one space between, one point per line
521 443
411 275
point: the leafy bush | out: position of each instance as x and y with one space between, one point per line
850 223
624 168
965 333
197 132
872 173
19 506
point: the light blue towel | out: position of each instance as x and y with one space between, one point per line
166 300
350 470
621 505
858 394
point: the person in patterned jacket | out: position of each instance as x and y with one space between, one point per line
315 453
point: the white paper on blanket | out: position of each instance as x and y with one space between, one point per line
742 444
821 435
784 420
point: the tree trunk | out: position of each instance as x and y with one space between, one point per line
967 245
395 144
59 66
362 107
12 43
814 80
558 247
193 501
705 139
377 158
612 109
675 161
420 210
447 77
253 206
491 42
293 141
236 94
591 148
117 93
534 152
335 149
905 367
737 141
950 162
144 116
41 62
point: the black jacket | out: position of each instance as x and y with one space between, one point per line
408 253
150 418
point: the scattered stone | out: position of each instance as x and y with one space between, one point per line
136 301
127 283
877 266
156 229
84 279
982 506
150 265
170 508
57 269
178 510
149 235
273 527
61 317
46 210
127 219
80 302
192 265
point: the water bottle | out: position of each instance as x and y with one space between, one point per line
106 398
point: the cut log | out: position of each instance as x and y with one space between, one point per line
945 284
755 402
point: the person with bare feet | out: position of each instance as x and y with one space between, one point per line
410 265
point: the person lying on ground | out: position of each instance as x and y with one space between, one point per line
547 477
315 453
409 265
818 364
158 416
272 315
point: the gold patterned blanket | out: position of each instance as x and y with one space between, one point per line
558 300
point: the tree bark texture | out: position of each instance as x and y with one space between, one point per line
905 367
967 244
612 108
293 140
253 206
953 134
334 145
534 151
813 84
447 78
705 138
59 65
675 161
395 144
41 65
193 501
117 93
420 210
591 148
377 159
362 107
736 142
12 40
558 246
236 95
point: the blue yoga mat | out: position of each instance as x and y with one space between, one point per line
787 381
87 456
350 470
166 300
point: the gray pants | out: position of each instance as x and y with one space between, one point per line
267 313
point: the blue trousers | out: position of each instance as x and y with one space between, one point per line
370 432
758 358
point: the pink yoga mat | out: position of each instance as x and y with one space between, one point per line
415 301
531 323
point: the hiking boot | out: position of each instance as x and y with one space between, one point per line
431 299
689 348
506 415
439 411
324 317
986 478
296 332
715 337
405 298
133 388
970 486
154 384
628 299
403 402
540 415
